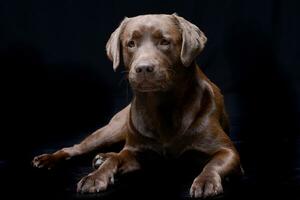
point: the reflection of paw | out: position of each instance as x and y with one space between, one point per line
93 183
206 185
44 161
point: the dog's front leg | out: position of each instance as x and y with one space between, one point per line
97 181
115 131
209 182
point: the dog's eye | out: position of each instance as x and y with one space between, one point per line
131 44
164 42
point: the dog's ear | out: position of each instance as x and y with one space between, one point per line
113 46
193 40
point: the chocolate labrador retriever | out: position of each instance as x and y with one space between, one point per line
175 107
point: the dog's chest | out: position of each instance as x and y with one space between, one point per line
156 133
171 150
167 144
161 126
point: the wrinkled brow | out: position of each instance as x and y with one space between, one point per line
136 34
157 34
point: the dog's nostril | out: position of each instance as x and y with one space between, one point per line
149 69
138 69
144 68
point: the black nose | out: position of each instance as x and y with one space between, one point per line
144 68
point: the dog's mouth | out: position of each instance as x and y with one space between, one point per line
146 87
152 84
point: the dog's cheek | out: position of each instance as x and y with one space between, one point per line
127 58
172 56
175 53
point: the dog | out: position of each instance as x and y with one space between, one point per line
175 107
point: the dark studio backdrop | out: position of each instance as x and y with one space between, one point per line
57 85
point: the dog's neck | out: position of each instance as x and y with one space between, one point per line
169 109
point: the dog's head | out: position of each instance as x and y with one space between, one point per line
155 48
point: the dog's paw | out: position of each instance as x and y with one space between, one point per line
99 160
44 161
206 185
93 183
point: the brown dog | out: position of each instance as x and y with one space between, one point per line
175 106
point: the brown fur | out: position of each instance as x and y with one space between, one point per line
175 106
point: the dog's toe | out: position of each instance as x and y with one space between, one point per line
43 161
91 183
99 159
206 186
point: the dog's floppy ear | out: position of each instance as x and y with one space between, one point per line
193 40
113 46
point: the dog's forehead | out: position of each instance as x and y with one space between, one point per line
152 23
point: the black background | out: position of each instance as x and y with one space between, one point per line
57 85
